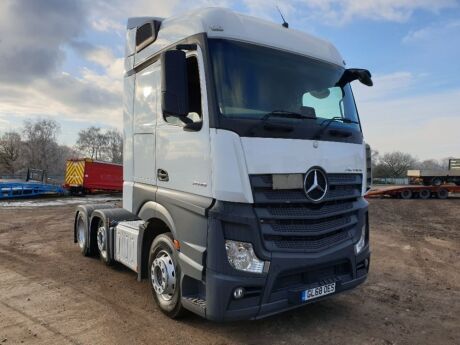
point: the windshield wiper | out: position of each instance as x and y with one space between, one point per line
320 132
281 114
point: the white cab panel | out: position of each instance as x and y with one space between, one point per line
144 123
126 234
144 158
128 190
278 156
224 23
230 178
128 102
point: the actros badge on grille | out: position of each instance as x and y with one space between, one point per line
315 184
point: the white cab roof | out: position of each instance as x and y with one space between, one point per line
224 23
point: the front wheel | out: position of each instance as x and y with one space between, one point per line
164 273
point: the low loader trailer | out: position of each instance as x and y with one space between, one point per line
244 168
413 191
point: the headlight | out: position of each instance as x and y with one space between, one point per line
241 256
362 240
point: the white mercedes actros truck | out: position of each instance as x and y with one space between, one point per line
244 168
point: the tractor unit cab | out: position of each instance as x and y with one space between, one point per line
244 168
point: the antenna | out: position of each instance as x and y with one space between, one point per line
285 23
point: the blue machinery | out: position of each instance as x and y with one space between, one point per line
12 190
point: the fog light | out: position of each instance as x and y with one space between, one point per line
238 293
241 256
362 240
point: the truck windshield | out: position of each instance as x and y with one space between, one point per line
252 81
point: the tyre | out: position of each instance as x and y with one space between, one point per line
164 274
424 194
442 194
82 234
102 243
436 181
406 194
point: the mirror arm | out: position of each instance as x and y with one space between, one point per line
193 127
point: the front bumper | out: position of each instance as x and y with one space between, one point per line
266 297
289 274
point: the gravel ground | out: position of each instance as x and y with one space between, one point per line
50 294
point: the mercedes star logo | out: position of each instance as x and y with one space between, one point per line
315 184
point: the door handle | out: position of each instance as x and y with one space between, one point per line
162 175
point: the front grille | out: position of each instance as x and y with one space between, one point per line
289 221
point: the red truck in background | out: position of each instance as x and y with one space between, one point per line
84 175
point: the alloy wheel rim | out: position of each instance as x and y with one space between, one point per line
163 275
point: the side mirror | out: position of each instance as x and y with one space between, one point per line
174 83
351 74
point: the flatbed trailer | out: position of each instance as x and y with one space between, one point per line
13 190
412 192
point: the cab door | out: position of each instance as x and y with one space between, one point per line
145 120
183 156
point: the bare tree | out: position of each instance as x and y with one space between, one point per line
95 144
396 164
430 164
92 142
114 150
10 150
374 158
40 142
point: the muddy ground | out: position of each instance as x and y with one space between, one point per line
50 294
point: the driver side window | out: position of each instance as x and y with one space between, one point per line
194 94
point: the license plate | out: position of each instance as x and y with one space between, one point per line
319 291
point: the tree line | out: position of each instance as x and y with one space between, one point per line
36 146
395 164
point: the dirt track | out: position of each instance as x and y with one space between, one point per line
50 294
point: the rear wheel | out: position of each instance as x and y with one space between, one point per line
406 194
424 194
164 273
442 194
82 234
102 243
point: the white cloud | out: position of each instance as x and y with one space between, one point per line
37 87
433 32
423 124
338 12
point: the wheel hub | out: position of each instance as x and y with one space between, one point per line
81 234
101 240
163 275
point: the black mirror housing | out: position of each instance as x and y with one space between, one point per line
351 74
174 83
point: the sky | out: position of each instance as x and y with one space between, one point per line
63 59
